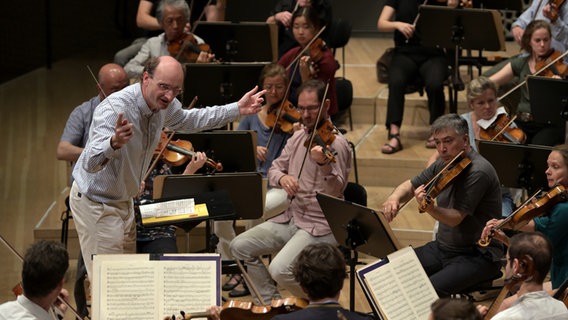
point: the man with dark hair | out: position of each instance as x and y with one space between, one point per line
323 169
320 271
452 261
526 265
44 267
454 309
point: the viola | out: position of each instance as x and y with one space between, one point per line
176 153
283 118
186 49
444 178
529 211
324 137
502 131
551 65
316 50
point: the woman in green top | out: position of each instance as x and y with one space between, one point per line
536 43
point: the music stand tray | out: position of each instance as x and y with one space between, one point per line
548 99
518 166
475 29
218 84
244 190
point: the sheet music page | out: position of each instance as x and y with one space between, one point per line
128 287
188 287
167 208
400 287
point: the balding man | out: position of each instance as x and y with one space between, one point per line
125 131
111 78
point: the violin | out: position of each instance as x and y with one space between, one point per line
316 50
529 211
186 49
551 65
283 119
176 153
555 9
244 310
502 131
324 137
444 178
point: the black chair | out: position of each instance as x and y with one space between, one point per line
355 193
337 37
344 94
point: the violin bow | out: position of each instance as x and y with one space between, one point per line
250 283
279 113
534 74
101 90
17 254
312 136
432 180
305 48
200 15
157 157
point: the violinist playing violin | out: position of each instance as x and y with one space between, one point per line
453 262
274 80
535 42
302 172
553 223
315 62
552 11
484 122
173 16
161 239
43 276
526 265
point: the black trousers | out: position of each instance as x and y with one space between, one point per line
431 67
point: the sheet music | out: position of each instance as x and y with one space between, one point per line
399 286
168 208
127 287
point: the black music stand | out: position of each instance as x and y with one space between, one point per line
235 150
360 229
518 166
218 84
549 100
240 42
456 29
228 195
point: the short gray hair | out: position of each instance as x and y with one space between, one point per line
450 121
176 4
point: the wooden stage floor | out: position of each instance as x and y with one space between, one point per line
36 105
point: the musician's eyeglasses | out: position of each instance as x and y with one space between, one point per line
308 109
166 87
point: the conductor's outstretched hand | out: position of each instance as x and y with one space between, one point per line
251 102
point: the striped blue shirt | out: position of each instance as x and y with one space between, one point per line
107 175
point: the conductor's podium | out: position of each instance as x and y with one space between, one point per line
51 227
